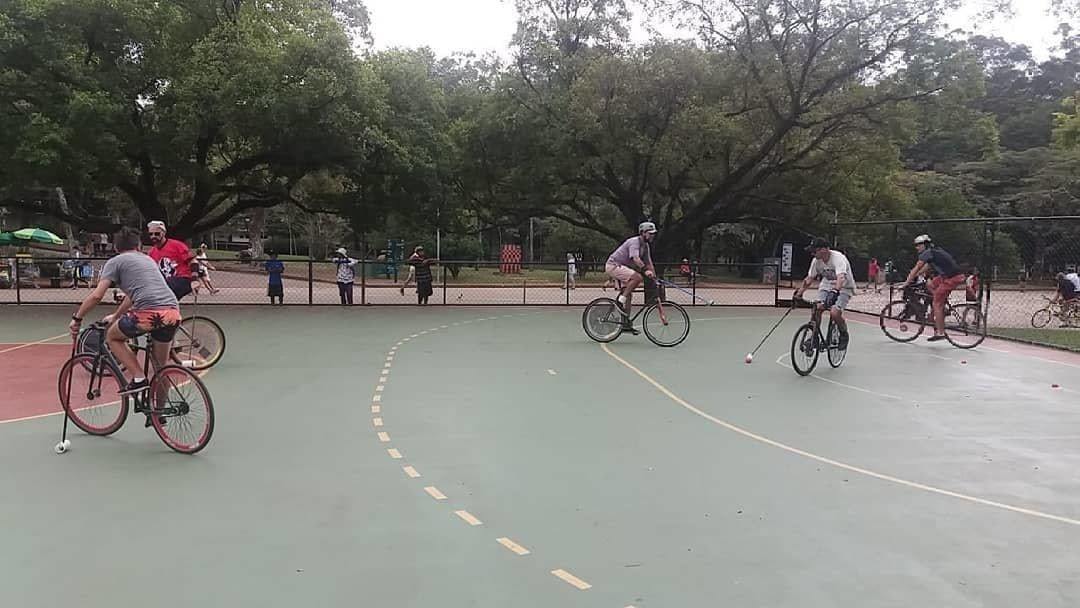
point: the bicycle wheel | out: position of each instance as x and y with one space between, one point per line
804 350
602 320
90 342
199 343
666 323
901 321
181 410
835 353
89 388
965 325
1041 318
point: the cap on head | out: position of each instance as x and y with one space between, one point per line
817 243
155 224
923 239
418 249
648 227
341 250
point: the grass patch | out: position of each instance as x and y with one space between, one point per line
1061 338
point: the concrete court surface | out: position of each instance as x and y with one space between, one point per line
506 460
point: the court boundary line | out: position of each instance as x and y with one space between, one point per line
836 463
25 344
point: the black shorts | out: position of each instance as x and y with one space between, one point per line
423 289
1068 291
180 286
275 290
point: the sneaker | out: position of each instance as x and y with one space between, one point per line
150 422
134 387
628 328
935 338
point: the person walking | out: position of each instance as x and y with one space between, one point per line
346 275
202 271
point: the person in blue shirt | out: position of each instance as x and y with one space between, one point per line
275 268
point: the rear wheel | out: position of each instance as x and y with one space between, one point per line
180 409
901 321
89 388
965 325
804 350
666 324
602 320
1041 318
199 343
835 353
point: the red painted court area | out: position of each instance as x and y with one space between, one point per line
28 379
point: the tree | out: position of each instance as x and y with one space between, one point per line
1067 124
191 111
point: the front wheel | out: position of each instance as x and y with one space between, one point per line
199 343
804 350
835 353
965 325
180 409
89 387
666 324
602 320
1041 318
901 321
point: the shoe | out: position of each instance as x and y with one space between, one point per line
134 387
149 423
935 338
842 342
628 328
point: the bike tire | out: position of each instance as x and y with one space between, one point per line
834 353
804 350
965 326
97 411
666 324
199 342
181 410
602 320
897 326
1041 318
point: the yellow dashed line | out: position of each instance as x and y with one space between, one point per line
376 421
411 472
435 493
396 455
511 545
570 578
468 517
384 437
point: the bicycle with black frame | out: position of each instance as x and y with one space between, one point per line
176 402
665 322
905 319
809 343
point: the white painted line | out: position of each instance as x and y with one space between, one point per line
376 409
376 422
570 578
468 517
511 545
387 366
14 348
411 472
384 437
435 493
379 389
552 372
414 336
829 461
376 398
444 327
396 455
780 361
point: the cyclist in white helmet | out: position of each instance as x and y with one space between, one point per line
630 264
947 278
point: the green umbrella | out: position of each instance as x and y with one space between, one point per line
38 235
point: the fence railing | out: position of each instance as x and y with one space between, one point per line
1016 260
54 280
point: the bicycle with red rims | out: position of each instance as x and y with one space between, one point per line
176 403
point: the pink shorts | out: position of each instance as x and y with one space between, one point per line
619 272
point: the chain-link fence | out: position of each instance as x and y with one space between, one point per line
54 280
1017 262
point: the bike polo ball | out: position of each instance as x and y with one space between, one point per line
63 446
749 358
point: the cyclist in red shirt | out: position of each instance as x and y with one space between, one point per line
174 259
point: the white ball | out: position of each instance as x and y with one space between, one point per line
60 448
67 444
749 358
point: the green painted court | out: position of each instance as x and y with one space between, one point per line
460 457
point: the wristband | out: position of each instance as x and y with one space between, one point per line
76 318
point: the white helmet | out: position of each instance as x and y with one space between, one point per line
923 239
646 227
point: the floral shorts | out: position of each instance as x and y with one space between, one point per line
160 323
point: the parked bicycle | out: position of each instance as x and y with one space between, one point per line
1055 309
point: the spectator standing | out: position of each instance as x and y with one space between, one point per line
571 271
420 269
346 275
872 272
203 270
275 268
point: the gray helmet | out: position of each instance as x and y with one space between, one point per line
646 227
923 239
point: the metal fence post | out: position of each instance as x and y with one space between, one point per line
310 281
444 285
363 280
523 283
694 271
18 289
567 285
776 286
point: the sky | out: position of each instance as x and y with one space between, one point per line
483 26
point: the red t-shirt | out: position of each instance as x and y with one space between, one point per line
173 259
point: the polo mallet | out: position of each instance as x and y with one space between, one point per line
65 443
686 291
750 355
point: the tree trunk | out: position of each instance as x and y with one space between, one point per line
67 213
255 230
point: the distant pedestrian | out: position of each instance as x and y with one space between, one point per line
275 268
571 271
346 275
420 270
872 272
203 271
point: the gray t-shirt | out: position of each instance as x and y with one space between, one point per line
140 279
633 247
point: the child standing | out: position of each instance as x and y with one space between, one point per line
275 268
